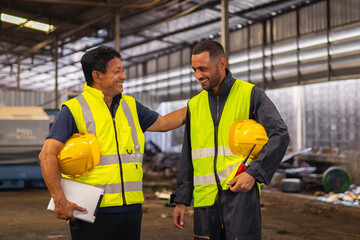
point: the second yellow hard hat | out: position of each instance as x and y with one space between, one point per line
244 134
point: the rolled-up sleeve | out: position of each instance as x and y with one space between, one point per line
264 111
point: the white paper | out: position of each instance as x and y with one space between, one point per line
84 195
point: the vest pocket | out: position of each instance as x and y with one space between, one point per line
126 139
134 172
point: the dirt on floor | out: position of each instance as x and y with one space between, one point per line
285 216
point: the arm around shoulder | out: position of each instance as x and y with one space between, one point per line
170 121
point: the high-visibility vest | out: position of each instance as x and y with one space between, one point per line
121 142
209 145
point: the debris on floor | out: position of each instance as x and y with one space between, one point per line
164 194
157 162
348 198
312 170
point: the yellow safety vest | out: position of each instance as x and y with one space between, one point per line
121 142
205 150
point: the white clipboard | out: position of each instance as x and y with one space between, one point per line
84 195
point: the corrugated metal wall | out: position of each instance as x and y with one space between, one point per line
22 98
299 48
322 115
45 100
332 114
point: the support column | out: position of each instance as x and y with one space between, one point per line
298 47
168 97
248 52
18 74
264 44
328 28
298 134
191 74
181 94
55 51
225 28
117 32
271 52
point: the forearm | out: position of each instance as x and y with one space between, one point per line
176 119
50 169
52 178
170 121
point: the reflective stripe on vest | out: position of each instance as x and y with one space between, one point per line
210 179
203 145
130 118
114 188
125 158
120 139
208 152
89 120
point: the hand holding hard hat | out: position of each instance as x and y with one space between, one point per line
80 154
247 138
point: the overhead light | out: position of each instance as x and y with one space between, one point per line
26 23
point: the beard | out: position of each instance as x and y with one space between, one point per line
214 80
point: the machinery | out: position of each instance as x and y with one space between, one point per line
23 131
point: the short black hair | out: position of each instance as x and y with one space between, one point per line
97 59
215 49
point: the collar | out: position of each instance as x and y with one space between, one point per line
117 98
99 95
226 85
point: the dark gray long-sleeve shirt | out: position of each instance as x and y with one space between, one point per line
264 167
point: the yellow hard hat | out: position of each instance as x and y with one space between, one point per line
244 134
80 154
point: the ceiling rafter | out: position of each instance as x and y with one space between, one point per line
135 18
98 4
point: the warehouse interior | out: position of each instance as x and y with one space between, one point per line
305 54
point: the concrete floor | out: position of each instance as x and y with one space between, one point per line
23 215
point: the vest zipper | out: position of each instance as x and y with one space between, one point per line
216 125
121 170
215 160
215 156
